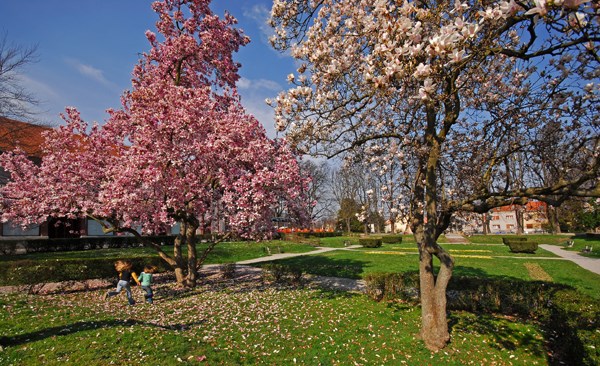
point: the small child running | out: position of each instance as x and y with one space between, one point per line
146 280
125 276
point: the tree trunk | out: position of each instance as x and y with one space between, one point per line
552 214
177 254
434 322
190 236
519 216
486 224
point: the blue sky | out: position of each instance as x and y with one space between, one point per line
87 50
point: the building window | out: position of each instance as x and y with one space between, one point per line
496 227
495 217
510 217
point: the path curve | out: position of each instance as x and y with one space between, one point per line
591 264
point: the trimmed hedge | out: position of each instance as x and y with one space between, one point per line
12 246
507 239
392 239
320 234
569 317
522 246
370 242
27 272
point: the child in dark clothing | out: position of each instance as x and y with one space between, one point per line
125 276
146 280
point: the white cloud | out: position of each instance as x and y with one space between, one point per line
264 84
260 14
90 72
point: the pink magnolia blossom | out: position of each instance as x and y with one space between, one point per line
180 149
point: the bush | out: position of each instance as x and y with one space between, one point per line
28 272
84 243
282 274
228 270
507 239
392 239
370 242
311 234
522 246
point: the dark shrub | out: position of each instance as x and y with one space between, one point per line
28 272
522 246
370 242
392 239
84 243
507 239
228 270
282 274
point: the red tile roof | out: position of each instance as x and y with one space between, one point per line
529 207
26 135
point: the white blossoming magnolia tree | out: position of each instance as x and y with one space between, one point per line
180 150
474 99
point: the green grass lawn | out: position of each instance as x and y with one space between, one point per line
252 324
247 325
469 261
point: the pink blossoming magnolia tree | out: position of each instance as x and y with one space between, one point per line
482 104
180 150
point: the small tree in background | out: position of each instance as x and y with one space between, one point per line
180 150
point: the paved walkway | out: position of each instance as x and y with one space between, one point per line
591 264
335 283
456 238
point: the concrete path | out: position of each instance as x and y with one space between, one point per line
456 238
277 256
591 264
335 283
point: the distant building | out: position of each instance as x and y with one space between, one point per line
505 219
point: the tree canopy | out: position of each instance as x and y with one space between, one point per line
181 149
480 103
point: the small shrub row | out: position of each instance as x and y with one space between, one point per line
311 234
27 272
282 274
22 246
519 244
391 239
507 239
572 318
522 246
370 242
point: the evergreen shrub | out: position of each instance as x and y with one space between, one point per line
392 239
28 272
507 239
522 246
370 242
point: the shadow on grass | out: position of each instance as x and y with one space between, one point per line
502 335
85 326
324 266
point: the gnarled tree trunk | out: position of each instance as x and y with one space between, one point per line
434 322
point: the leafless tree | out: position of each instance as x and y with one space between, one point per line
16 102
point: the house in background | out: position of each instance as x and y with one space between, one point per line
506 219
